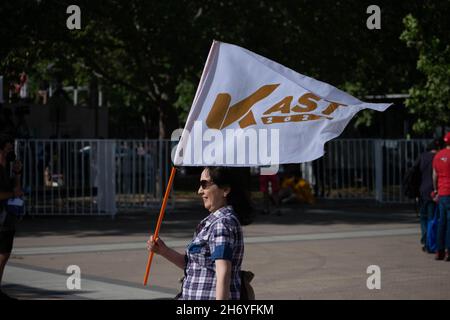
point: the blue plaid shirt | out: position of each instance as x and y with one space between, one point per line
218 236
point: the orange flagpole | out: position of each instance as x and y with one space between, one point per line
160 218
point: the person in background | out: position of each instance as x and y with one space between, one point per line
269 185
441 184
9 188
424 165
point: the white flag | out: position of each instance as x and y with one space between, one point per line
251 111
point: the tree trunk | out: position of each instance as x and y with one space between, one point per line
93 102
168 119
161 125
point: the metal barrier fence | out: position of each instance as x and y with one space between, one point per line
92 177
99 177
364 169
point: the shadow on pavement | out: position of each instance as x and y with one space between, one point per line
182 220
22 292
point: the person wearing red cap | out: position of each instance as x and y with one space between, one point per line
441 184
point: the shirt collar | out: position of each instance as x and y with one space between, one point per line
213 216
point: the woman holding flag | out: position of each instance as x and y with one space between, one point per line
212 261
242 95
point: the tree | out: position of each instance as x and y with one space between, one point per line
148 55
132 45
428 34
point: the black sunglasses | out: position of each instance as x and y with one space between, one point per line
205 184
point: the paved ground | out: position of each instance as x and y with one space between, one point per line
309 252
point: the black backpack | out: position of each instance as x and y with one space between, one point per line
247 292
411 182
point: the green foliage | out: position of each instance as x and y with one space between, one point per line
430 98
148 55
185 92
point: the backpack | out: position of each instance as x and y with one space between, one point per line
247 292
411 182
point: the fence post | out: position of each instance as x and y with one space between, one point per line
378 158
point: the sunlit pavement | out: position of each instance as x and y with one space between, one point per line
309 252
